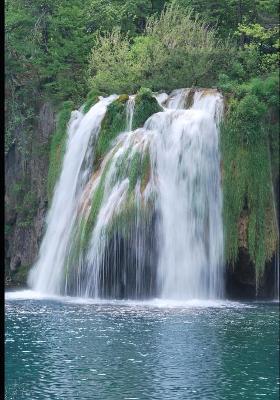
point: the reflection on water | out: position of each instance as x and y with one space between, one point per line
63 350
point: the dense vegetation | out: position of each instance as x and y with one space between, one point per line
250 149
67 51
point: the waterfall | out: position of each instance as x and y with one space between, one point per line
129 112
146 222
190 230
46 274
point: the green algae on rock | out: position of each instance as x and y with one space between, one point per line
145 106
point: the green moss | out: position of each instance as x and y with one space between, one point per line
145 170
246 145
92 98
134 171
57 147
113 123
123 98
121 222
88 225
145 106
131 217
122 167
124 222
76 249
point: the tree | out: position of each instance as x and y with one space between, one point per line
177 49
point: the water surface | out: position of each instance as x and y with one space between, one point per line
65 349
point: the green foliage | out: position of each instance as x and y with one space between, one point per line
47 46
57 148
246 143
113 123
92 98
145 106
129 15
176 50
264 41
111 67
227 14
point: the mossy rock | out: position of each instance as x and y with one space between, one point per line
113 123
87 226
137 169
246 145
76 250
92 98
131 217
145 106
123 98
145 170
134 171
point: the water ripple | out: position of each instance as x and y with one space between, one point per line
59 349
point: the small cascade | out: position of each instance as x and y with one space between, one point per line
177 99
147 220
129 112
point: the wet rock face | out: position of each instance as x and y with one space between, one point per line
241 279
122 280
25 214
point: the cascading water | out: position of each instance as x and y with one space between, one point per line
46 275
129 112
186 154
148 221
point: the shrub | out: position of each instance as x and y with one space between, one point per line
176 50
